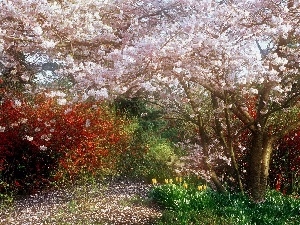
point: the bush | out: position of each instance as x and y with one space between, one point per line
285 166
42 141
151 150
149 157
24 166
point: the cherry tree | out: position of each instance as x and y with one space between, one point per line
239 53
177 50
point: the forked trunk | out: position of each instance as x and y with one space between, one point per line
259 164
204 141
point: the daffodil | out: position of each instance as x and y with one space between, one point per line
185 185
178 179
202 187
154 181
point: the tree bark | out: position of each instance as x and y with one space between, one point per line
227 143
204 143
259 164
203 134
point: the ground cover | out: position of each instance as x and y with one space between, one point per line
120 202
173 201
187 204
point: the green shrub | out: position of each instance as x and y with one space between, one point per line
160 150
157 161
151 151
147 158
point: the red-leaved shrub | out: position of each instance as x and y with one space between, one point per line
285 167
41 139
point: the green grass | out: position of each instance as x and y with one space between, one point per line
190 206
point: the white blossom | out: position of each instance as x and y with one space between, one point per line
177 69
98 94
2 129
242 80
23 120
88 123
18 103
67 110
56 94
38 30
49 44
43 148
14 125
253 91
28 138
278 88
25 77
148 86
62 101
46 137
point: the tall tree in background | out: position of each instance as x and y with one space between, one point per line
235 52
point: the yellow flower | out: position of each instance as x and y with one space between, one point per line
202 187
178 179
170 181
185 185
166 181
154 181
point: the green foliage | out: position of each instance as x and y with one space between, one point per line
172 197
187 206
131 107
277 209
151 150
157 161
204 217
149 157
179 198
6 195
160 149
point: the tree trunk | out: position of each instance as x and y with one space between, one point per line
259 164
203 134
227 143
204 143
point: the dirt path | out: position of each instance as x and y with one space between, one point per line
115 203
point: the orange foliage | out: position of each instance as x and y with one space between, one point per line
83 136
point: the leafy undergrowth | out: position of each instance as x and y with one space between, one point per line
187 205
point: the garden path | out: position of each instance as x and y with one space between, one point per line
119 202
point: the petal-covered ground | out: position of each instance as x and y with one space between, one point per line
116 203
